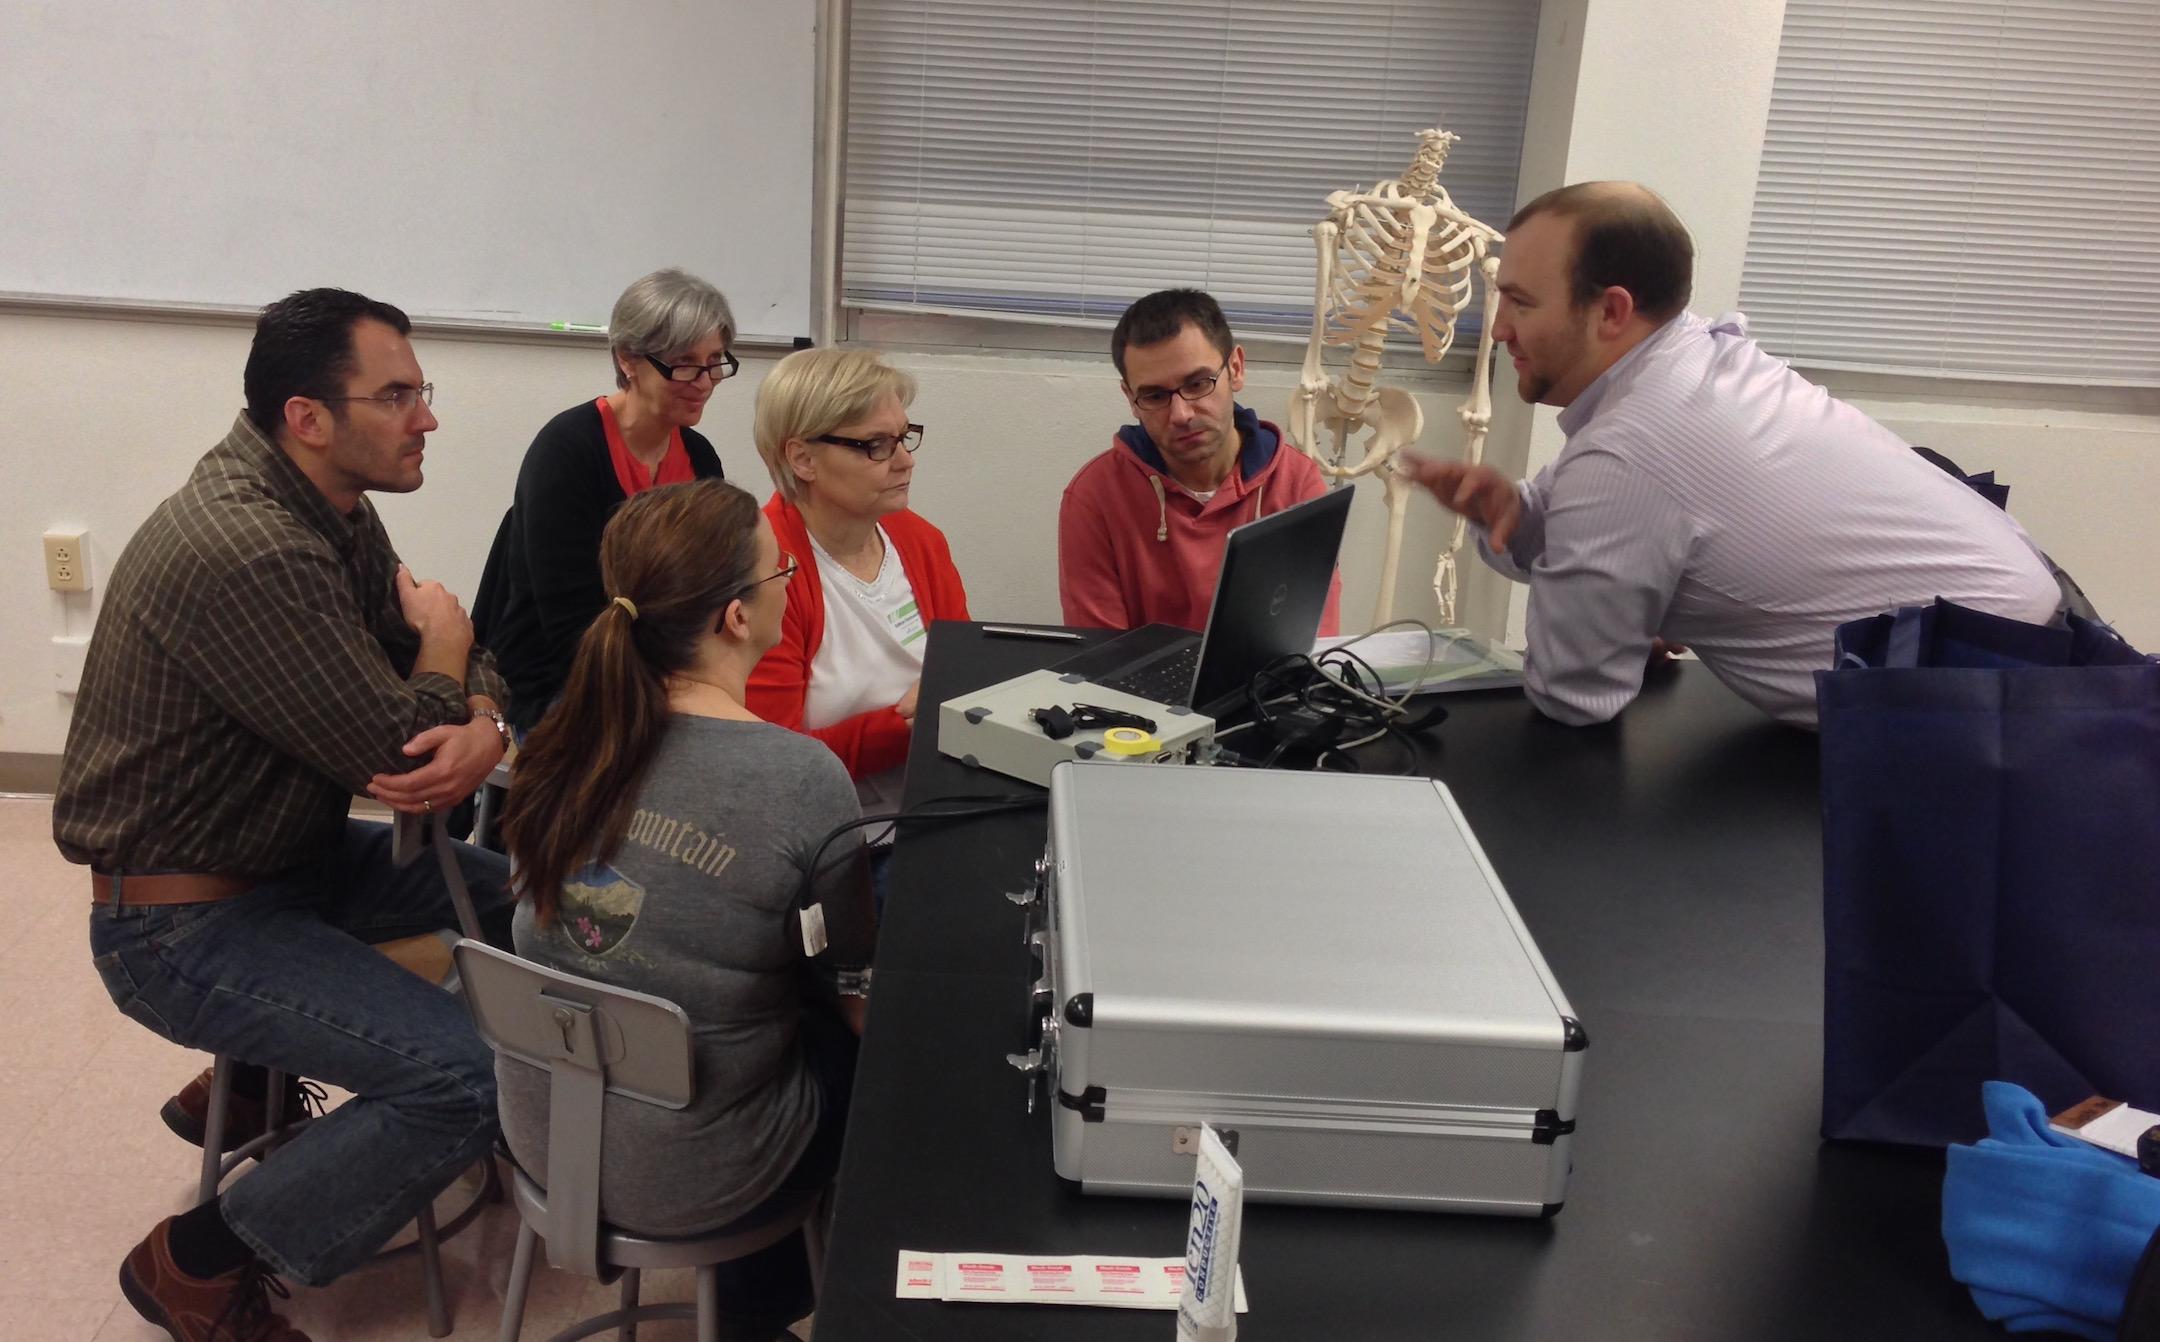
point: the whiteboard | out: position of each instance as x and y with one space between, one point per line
516 161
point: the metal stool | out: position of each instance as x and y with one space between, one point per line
491 791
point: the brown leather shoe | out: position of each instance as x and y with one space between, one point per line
188 1113
230 1307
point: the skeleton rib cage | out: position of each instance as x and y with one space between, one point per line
1400 258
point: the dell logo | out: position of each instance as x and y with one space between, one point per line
1276 601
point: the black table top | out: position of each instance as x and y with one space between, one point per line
1669 865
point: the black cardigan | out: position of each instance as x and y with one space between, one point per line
542 583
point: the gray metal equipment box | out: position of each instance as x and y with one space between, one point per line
1323 966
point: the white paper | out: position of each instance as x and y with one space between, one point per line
813 929
2116 1130
1450 659
1205 1314
1021 1279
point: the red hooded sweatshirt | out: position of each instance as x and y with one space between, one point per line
1135 548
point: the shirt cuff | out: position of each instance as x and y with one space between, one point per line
442 701
482 680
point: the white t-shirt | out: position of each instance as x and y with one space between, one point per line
872 653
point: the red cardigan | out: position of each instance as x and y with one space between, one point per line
868 743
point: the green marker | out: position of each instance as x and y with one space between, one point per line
583 327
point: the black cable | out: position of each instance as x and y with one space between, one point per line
1336 697
970 805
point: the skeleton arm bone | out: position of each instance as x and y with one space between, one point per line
1312 377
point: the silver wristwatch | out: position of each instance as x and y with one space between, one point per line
502 728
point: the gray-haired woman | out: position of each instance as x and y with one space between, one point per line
668 339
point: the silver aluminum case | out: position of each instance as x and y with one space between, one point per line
1323 964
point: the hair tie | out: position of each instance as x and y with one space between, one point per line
629 607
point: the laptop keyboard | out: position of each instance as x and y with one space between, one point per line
1166 680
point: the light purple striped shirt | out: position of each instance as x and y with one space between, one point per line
1709 495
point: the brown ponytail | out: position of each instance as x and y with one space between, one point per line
676 556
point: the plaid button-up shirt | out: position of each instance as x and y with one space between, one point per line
250 670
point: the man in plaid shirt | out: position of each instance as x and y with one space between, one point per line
261 657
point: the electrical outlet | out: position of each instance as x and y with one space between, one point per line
67 563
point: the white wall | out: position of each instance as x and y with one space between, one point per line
104 418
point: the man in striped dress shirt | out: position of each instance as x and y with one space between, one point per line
1707 496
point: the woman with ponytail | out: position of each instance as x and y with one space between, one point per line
660 833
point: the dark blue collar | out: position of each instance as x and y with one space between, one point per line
1257 444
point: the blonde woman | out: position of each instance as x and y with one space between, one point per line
833 429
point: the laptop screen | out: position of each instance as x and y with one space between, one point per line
1270 595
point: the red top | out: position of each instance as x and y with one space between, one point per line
630 473
872 742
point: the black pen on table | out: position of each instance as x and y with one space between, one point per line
1022 631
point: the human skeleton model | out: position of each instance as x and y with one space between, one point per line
1399 256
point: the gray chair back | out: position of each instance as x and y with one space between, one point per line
592 1039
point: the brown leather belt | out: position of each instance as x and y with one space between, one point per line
168 888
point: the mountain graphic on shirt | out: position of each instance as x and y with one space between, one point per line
598 908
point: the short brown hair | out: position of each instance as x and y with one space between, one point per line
1164 313
1625 238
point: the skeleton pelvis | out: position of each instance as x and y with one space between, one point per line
1392 420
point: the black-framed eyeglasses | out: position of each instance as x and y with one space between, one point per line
879 448
726 367
400 399
788 569
1195 388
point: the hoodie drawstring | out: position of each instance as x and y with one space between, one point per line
1162 509
1259 496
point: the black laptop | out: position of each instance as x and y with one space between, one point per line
1268 601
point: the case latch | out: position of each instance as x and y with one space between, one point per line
1039 1061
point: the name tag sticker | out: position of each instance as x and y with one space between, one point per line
906 622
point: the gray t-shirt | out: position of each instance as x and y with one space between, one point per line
693 907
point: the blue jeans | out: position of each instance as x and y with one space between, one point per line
284 977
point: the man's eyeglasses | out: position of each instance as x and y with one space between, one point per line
399 399
1195 388
727 367
879 448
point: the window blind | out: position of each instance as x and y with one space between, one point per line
1059 158
1968 188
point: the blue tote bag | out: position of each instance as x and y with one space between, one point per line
1991 870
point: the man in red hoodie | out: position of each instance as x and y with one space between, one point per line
1141 529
